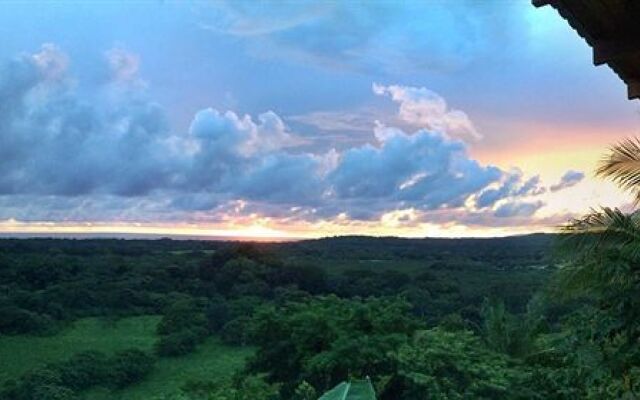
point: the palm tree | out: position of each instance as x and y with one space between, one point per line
622 165
593 239
603 248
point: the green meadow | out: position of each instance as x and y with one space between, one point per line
212 360
22 352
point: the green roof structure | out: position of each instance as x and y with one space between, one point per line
352 390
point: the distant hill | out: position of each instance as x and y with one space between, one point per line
525 247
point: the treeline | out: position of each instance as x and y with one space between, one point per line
509 251
91 247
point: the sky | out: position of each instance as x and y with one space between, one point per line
283 119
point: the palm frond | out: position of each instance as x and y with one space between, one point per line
622 166
608 228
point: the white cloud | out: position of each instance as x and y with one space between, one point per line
423 108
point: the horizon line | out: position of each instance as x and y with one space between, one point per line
231 238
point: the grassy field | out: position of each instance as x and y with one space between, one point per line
21 353
212 360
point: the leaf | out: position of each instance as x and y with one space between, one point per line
622 166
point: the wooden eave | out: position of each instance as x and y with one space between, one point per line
612 29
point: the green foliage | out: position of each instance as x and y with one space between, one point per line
603 266
438 364
129 366
510 334
183 326
217 314
44 383
178 343
305 391
327 338
622 165
250 387
64 380
15 320
212 361
408 313
600 231
574 364
84 370
237 331
89 335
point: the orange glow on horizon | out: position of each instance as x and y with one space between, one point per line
273 232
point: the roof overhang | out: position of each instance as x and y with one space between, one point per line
612 29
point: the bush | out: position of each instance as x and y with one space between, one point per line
129 366
252 387
61 381
183 326
84 370
178 343
41 384
236 331
182 314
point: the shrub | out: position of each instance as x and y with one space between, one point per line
177 343
84 370
129 366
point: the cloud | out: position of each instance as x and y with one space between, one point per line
51 62
65 145
123 65
424 108
239 136
113 156
518 209
513 185
293 179
569 179
418 107
424 168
